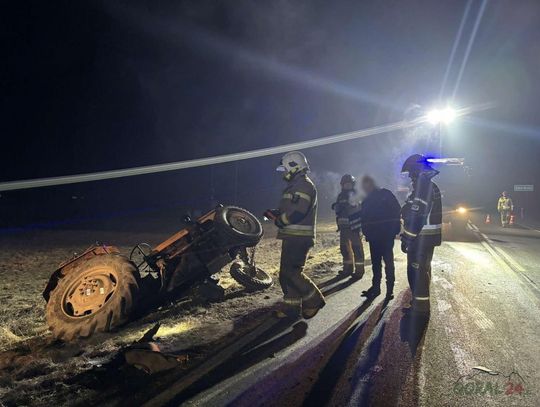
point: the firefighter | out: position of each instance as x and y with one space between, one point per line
422 221
296 222
505 206
347 209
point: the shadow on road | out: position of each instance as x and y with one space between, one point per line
376 363
347 352
280 336
395 373
412 329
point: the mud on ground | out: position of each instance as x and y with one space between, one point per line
34 370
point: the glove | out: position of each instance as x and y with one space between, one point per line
279 223
404 247
405 243
271 214
334 205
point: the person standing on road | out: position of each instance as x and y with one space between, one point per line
380 225
347 208
505 206
422 222
296 222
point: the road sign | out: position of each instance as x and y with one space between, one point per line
523 188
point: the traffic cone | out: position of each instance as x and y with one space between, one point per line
512 220
488 218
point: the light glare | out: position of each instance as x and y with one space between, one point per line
446 115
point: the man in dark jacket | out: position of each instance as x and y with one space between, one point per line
380 224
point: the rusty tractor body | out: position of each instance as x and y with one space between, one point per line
101 289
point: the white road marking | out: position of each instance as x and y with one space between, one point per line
487 239
496 256
510 260
490 248
478 316
481 320
487 243
473 227
464 361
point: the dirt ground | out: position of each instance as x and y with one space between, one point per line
34 370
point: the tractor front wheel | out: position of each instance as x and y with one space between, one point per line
98 295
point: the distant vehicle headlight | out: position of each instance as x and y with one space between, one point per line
461 210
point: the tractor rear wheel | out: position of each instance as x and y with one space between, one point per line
98 295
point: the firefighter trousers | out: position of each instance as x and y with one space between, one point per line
382 250
419 258
505 217
350 244
296 286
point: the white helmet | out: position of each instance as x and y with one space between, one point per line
292 163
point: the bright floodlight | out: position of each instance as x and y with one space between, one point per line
436 116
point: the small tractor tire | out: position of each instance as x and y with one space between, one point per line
252 278
238 226
99 294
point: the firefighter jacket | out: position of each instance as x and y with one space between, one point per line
298 209
347 210
422 212
505 204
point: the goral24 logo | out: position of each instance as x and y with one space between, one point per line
486 382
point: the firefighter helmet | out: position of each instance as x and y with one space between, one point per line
293 163
348 178
415 164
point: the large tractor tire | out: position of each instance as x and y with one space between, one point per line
238 226
99 294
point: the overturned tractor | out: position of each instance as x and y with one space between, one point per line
102 289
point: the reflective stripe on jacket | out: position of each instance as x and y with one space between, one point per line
298 207
422 212
504 204
347 210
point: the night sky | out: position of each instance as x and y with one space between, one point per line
97 85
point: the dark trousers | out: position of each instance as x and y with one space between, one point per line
382 250
350 245
419 256
295 284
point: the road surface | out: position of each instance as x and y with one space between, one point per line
519 245
479 348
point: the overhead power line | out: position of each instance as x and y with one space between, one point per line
200 162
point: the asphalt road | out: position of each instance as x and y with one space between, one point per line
479 348
519 245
